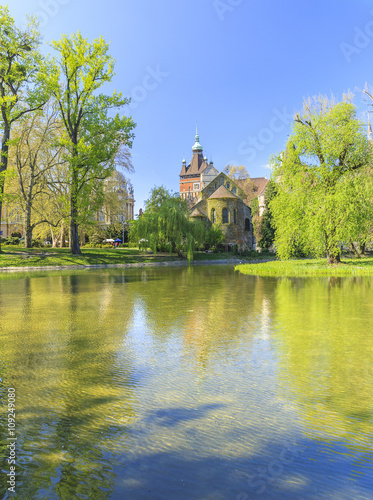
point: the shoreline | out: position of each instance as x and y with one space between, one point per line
175 263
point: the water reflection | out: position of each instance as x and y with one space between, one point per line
188 383
324 329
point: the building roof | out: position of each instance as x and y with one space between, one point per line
197 213
260 183
196 166
222 192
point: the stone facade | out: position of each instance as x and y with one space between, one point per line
215 197
221 203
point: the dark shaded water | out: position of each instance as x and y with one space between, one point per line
188 383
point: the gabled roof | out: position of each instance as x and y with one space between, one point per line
196 166
197 213
222 192
260 183
211 183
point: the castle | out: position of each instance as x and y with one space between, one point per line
215 197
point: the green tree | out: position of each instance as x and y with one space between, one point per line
166 226
23 80
214 236
33 153
94 139
264 230
324 166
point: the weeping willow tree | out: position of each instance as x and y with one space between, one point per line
325 187
165 225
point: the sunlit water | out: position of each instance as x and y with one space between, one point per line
188 383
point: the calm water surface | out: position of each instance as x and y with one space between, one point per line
188 383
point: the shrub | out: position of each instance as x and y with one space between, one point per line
12 240
37 243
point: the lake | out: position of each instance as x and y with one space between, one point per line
187 383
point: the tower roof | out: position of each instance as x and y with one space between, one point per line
197 146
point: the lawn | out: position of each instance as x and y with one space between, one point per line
14 256
310 267
17 256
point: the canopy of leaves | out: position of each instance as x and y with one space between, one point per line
324 182
165 225
94 139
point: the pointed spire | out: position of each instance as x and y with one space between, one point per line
197 146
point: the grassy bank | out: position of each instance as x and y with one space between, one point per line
14 256
35 257
310 267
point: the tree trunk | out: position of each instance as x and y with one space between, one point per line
54 239
28 228
333 258
74 227
74 230
3 165
362 248
63 236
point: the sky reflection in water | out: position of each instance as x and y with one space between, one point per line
188 383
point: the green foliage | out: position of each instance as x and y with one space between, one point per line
23 79
267 229
97 238
264 230
214 236
165 225
93 137
324 187
36 243
309 267
115 231
12 240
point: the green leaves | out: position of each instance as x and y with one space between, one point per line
94 137
22 69
324 184
166 226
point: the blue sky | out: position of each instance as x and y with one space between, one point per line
240 68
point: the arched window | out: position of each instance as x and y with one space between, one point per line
247 224
221 180
225 216
213 216
235 216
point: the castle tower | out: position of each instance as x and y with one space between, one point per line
190 175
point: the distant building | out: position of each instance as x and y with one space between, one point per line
215 197
119 201
196 175
261 185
